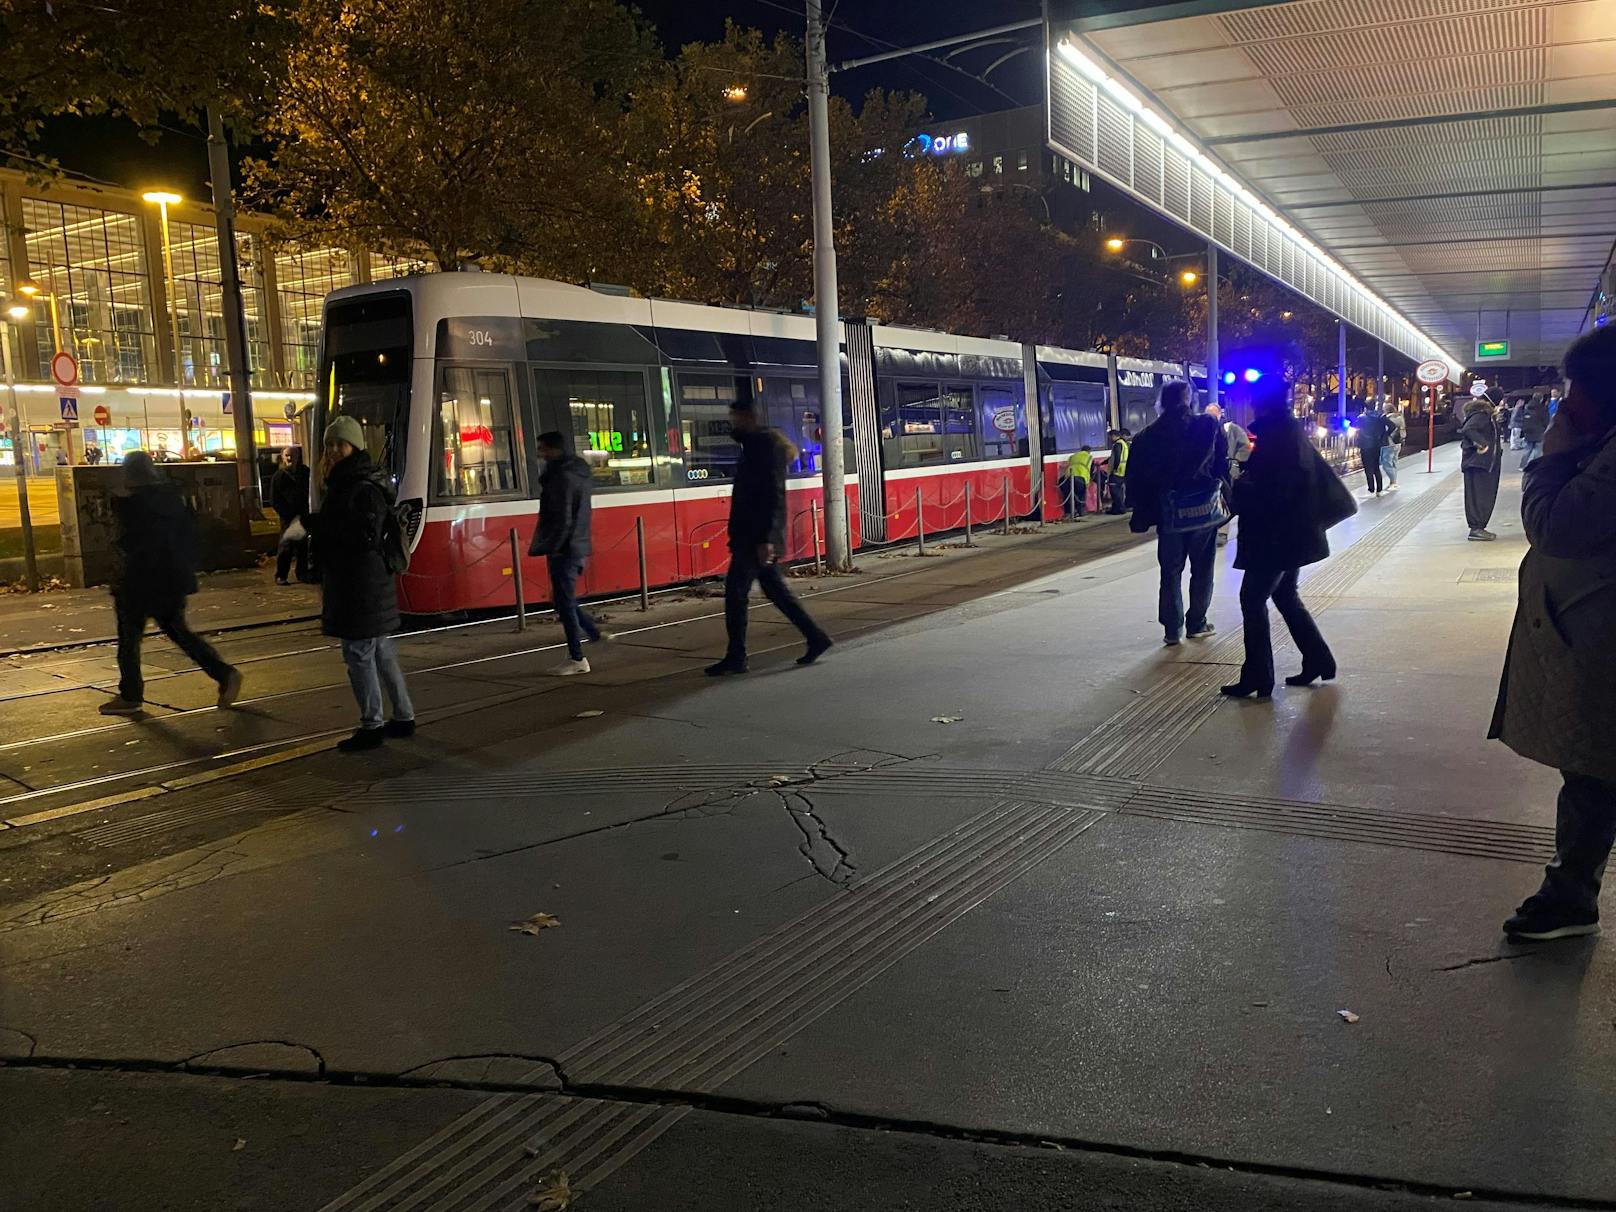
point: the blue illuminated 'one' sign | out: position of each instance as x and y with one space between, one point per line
942 145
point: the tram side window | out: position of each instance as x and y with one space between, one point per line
1080 415
959 423
1004 424
711 452
476 434
917 426
609 418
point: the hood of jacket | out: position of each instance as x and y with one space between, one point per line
1478 405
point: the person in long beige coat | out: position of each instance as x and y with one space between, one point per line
1557 700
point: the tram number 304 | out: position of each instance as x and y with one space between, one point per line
480 336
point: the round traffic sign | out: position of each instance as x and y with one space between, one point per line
103 415
1432 371
65 369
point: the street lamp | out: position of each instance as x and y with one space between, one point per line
735 92
17 310
163 199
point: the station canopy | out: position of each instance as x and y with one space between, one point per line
1457 158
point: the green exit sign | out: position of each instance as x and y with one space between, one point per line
1492 349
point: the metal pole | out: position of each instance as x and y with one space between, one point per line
819 557
645 581
1341 369
1214 370
1032 406
1430 433
920 524
173 299
516 579
968 542
826 322
235 315
29 556
1380 370
1006 504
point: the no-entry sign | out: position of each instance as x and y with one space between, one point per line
103 415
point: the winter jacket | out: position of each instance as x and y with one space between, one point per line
1238 441
157 542
359 597
1478 437
1557 697
1173 452
1080 466
564 491
289 493
1373 431
1534 420
757 503
1277 499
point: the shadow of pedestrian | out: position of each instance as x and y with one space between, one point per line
1298 766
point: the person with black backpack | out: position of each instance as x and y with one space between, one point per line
359 550
156 572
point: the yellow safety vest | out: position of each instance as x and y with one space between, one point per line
1121 469
1081 465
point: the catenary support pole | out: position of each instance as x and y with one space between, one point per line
1341 369
516 580
826 321
1214 368
21 438
1032 407
645 580
235 316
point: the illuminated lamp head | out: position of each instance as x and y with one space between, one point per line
1228 378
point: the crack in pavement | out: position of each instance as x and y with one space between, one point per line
808 1109
828 857
1487 959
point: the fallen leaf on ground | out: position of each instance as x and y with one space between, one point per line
241 1143
1347 1016
539 921
587 715
946 719
554 1196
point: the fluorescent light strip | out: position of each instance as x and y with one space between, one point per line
1189 148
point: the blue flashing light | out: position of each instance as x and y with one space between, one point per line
1253 374
1228 377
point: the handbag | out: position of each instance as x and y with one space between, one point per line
1203 507
1333 502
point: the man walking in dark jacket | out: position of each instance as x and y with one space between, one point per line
1480 461
359 598
1373 433
289 496
156 539
562 538
1178 453
757 528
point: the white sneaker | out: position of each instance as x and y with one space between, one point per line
1391 488
569 668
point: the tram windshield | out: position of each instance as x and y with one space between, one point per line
365 373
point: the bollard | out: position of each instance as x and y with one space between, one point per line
516 578
819 556
1006 504
645 581
920 524
968 542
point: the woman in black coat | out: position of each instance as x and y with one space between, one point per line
1286 498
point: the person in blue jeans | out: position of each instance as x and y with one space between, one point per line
358 594
562 538
1177 452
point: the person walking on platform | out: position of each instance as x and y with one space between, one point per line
1557 697
1286 499
757 535
1116 478
1176 467
156 544
359 598
562 538
289 496
1372 428
1079 471
1481 462
1396 431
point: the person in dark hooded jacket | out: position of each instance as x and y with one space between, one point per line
562 538
289 495
1480 461
157 545
757 536
359 597
1286 498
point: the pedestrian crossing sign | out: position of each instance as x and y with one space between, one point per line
70 408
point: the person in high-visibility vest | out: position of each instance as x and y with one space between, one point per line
1117 479
1079 471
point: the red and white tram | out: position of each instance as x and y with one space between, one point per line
454 375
